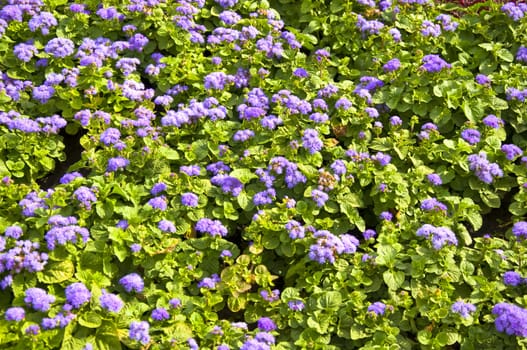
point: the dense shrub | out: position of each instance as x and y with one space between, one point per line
204 174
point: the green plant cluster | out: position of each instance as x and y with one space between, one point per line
262 175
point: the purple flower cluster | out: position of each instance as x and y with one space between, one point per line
463 309
378 308
432 204
189 199
209 282
85 196
483 169
440 236
292 176
296 305
510 319
132 282
15 314
264 197
261 341
59 47
311 141
472 136
63 230
430 29
511 151
319 197
77 295
212 227
23 257
512 278
519 229
492 121
160 314
515 94
159 202
228 184
369 26
166 226
272 296
434 64
38 299
514 11
295 229
329 246
117 163
111 302
447 23
139 330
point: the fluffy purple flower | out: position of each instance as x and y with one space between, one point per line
117 163
43 21
311 142
190 170
189 199
139 331
243 135
343 103
511 151
33 329
386 216
432 204
440 236
482 79
25 52
492 121
296 305
300 73
430 29
512 278
266 324
132 282
369 26
59 47
510 319
160 314
43 93
166 226
228 184
319 197
110 136
295 229
158 203
264 197
392 65
521 54
463 309
111 302
483 169
434 179
519 229
368 234
382 158
77 294
434 64
270 297
513 11
378 308
85 196
38 299
209 282
472 136
212 227
13 232
15 314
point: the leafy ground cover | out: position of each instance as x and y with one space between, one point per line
262 175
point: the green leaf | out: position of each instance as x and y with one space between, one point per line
329 300
393 279
243 174
56 272
90 320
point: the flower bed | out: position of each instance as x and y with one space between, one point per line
250 175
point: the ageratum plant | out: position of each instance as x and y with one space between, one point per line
223 175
